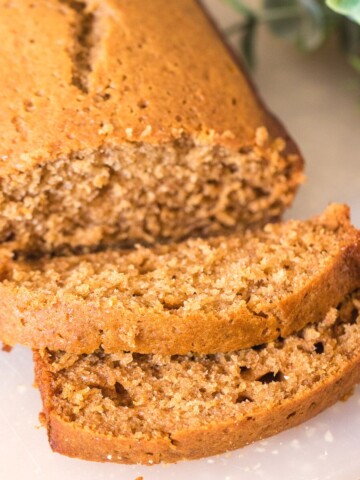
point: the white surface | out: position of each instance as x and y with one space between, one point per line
325 448
316 97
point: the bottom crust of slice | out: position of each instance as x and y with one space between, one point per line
132 408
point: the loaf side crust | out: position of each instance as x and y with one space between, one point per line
72 439
41 313
65 438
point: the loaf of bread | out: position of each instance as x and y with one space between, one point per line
125 122
140 179
204 295
132 408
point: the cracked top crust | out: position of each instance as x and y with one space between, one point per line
79 75
130 122
203 295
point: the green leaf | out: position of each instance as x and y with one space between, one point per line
306 23
247 29
248 41
351 8
355 62
241 8
349 35
302 22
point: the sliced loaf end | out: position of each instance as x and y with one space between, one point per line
132 408
203 295
143 137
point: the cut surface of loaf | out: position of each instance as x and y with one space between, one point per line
115 132
131 408
202 295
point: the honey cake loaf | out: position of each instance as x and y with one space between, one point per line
125 122
133 408
202 295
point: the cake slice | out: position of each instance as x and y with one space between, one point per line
125 122
133 408
203 295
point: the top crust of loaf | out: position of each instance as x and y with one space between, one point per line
203 295
89 74
130 122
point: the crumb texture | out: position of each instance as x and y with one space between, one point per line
149 398
143 193
202 295
119 134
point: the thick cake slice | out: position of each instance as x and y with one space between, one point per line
126 122
131 408
203 295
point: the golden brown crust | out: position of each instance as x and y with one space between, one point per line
276 126
40 316
67 439
306 400
94 116
61 104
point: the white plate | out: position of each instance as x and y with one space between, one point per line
324 448
318 99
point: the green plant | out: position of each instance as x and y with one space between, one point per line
305 23
350 8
